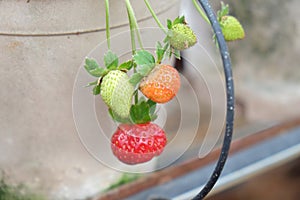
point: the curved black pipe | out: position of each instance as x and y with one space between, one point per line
230 100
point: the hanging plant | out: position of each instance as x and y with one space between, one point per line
132 99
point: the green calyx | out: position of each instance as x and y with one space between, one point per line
117 92
182 37
231 28
143 111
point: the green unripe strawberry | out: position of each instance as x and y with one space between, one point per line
182 37
231 28
117 92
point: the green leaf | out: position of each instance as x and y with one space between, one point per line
152 110
170 53
98 72
160 52
90 64
111 60
169 23
140 113
145 62
152 106
143 111
224 8
126 65
177 54
135 79
179 20
93 68
166 47
223 11
168 37
143 57
92 83
96 90
142 99
153 117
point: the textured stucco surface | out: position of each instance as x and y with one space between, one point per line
39 144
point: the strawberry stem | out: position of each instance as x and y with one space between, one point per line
132 35
107 23
161 26
203 15
133 29
133 22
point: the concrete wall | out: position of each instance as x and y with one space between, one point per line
266 62
43 44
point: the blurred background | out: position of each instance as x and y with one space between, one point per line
44 43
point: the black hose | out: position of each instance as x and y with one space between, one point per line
230 100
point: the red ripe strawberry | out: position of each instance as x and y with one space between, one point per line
162 84
138 143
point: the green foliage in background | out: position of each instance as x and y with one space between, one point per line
124 179
8 192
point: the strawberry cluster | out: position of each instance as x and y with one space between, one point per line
137 139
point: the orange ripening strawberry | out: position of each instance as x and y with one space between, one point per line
162 84
138 143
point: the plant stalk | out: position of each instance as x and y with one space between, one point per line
107 23
203 15
133 30
133 22
161 26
